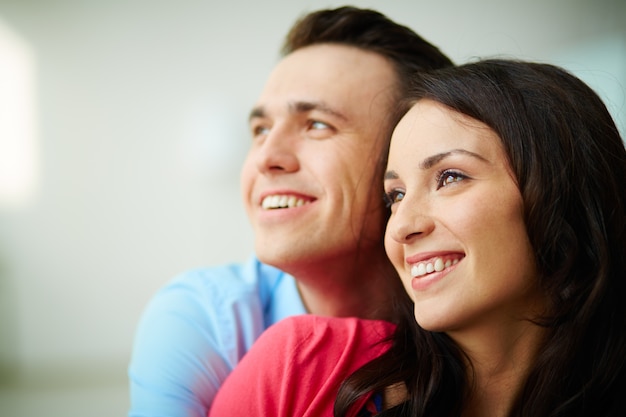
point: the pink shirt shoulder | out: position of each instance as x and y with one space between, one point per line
297 365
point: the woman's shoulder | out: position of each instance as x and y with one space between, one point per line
311 324
297 365
312 332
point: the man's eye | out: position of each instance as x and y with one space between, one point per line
317 125
393 196
448 177
260 130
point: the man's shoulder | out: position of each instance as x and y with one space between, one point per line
230 292
224 306
226 279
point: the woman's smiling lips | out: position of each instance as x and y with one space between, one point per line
431 267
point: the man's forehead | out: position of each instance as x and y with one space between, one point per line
344 82
316 72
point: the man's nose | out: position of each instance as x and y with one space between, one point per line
278 151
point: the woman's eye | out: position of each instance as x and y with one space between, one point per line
393 196
448 177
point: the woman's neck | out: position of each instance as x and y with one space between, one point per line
501 361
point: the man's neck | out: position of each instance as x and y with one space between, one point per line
355 291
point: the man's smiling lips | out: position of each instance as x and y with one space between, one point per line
281 201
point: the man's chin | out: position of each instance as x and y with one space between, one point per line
273 255
286 257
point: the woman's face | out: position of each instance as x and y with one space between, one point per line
456 234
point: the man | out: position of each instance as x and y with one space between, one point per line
312 186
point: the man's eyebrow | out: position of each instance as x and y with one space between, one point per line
300 107
306 106
257 112
432 160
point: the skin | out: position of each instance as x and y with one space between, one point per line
454 197
318 128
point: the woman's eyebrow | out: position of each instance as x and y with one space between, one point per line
391 175
432 160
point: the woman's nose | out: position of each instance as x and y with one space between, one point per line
410 221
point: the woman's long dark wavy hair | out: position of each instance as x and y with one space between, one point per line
570 165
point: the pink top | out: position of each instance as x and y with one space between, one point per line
297 365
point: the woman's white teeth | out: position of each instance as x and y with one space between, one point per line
281 201
437 265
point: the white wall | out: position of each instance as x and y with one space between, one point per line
137 119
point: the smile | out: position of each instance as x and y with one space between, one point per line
434 265
272 202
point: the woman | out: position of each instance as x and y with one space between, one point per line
514 173
506 184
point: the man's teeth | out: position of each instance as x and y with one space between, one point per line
281 201
435 265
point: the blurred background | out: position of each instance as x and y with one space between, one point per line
122 131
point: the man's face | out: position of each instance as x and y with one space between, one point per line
311 182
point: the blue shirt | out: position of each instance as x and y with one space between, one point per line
197 328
